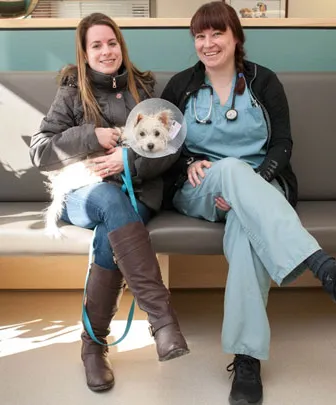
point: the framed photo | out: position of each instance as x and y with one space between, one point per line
260 8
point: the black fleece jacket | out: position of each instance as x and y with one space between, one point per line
266 88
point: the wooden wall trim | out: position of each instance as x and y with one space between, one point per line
52 23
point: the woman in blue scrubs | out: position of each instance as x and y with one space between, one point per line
235 167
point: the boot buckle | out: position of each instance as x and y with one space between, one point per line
151 330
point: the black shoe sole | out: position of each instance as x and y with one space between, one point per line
244 402
174 354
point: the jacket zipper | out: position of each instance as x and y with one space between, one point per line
266 115
284 186
184 100
269 130
114 83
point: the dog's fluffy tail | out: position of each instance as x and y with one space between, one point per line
52 214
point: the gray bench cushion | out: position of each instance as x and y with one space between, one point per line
22 233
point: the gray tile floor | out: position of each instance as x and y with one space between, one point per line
40 362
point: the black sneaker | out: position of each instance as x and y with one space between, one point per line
246 386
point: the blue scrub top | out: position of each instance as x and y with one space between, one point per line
245 138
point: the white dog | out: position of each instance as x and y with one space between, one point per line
60 183
152 131
151 134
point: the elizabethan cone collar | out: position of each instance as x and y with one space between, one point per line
176 127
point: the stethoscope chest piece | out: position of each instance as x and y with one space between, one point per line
231 115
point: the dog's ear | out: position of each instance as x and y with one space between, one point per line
165 117
138 119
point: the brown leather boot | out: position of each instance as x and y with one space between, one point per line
104 290
138 263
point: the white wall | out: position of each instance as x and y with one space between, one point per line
177 8
311 8
296 8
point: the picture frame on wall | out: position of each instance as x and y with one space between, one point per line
260 8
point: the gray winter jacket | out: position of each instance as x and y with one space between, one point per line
66 137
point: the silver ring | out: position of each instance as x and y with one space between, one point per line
107 171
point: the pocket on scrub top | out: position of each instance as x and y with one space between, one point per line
256 124
197 132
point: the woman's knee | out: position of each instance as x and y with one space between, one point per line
107 195
112 206
233 167
231 163
109 198
96 195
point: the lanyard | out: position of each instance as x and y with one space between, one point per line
127 186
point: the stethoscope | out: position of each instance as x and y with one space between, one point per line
231 114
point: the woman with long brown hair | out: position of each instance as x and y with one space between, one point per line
235 168
94 99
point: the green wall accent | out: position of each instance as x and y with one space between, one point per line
171 49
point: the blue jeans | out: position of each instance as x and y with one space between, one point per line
263 240
105 207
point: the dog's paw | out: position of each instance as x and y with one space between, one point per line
121 130
123 140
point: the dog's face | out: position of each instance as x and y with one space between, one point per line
151 131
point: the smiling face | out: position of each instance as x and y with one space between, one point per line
103 51
216 49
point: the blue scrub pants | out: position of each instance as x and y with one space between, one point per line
263 240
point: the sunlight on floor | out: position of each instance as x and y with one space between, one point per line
39 333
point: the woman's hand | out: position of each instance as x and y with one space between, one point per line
222 204
107 137
109 164
195 170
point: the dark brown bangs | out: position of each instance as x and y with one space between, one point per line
211 15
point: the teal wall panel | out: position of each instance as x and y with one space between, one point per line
171 49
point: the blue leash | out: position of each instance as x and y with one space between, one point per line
127 186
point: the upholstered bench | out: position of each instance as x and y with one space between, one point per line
25 98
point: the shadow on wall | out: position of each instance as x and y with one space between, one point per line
31 89
23 185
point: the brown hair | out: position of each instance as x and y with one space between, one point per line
220 16
135 77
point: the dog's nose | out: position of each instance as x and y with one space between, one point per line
150 146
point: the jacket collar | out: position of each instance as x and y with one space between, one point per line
109 82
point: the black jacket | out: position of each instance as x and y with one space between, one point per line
268 91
